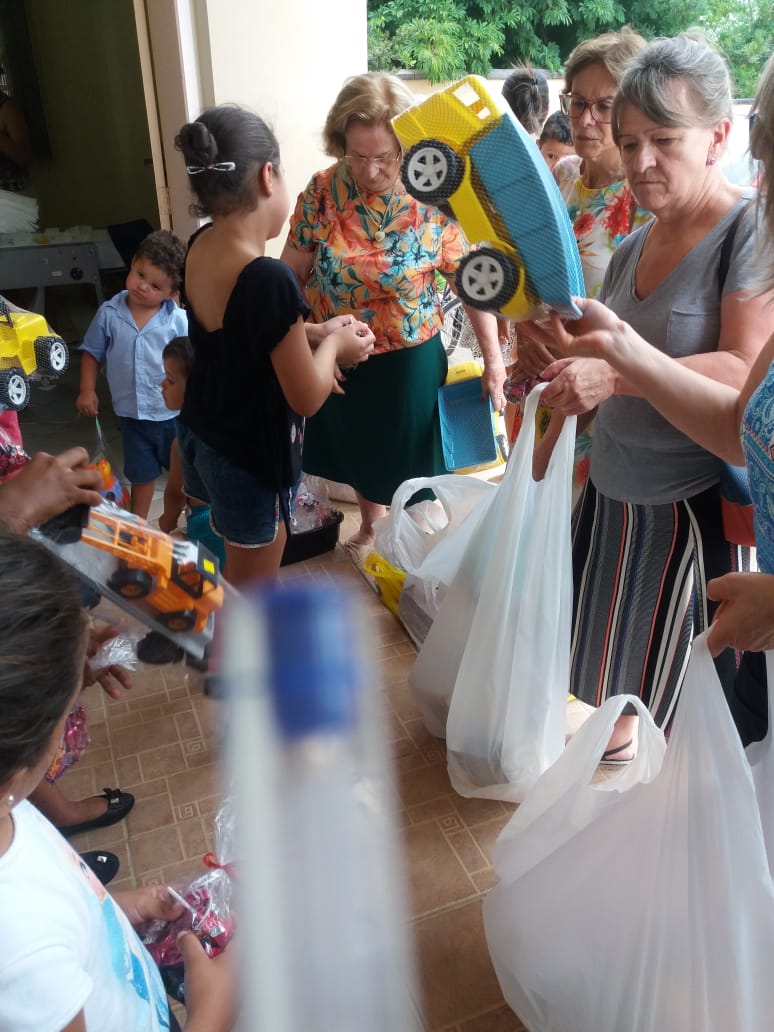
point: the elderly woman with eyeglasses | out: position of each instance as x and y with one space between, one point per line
360 245
648 532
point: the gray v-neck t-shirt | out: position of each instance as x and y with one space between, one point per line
638 456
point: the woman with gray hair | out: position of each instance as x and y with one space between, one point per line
648 532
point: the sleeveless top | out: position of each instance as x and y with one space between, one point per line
758 444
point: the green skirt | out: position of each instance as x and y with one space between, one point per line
385 428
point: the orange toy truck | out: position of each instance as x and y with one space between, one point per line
178 579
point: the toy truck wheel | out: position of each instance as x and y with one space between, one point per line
14 389
52 355
131 583
487 279
431 171
184 620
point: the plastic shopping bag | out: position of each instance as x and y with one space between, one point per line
760 756
498 653
406 537
388 578
643 902
427 540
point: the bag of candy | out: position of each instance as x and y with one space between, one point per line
208 909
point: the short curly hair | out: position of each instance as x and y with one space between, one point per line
371 99
166 251
614 50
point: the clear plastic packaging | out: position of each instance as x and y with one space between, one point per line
208 913
323 908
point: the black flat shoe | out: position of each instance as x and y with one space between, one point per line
104 865
119 805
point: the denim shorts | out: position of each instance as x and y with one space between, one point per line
146 447
241 510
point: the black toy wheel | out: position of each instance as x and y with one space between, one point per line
184 620
487 279
431 171
14 389
52 355
131 583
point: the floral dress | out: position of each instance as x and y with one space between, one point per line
376 256
388 283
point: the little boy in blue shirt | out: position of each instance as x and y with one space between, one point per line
128 336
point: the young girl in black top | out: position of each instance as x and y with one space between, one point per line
259 369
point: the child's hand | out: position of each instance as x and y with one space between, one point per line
354 343
210 986
87 403
148 903
114 679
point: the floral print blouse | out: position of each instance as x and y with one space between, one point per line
390 284
601 218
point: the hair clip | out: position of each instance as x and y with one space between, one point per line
218 166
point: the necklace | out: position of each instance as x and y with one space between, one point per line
378 235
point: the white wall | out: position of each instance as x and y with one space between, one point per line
286 61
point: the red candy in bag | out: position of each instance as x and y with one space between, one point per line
75 740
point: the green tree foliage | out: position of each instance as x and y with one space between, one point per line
743 30
448 38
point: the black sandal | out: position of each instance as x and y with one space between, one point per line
119 805
610 757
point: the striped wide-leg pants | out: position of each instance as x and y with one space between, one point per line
640 574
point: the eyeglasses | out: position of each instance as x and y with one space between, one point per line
574 106
381 161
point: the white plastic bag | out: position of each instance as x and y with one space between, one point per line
644 902
405 537
760 756
498 653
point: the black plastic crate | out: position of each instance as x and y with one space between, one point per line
310 543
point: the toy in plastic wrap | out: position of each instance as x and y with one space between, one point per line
465 151
75 740
111 488
473 435
207 902
178 579
172 585
29 352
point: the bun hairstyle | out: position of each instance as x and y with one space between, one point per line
42 650
526 92
222 150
